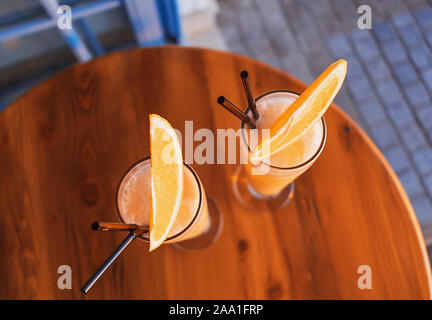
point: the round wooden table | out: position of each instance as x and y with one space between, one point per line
67 142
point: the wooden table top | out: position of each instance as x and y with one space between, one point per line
67 142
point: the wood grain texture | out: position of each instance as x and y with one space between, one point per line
67 142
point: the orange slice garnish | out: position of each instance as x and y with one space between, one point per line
166 179
303 113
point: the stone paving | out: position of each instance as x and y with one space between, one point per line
389 84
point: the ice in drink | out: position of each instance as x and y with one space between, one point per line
275 173
133 202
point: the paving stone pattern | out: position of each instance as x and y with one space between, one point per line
389 84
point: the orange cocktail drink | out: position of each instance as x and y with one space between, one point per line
282 136
272 175
164 195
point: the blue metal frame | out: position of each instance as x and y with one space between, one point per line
143 15
169 15
91 37
41 24
73 39
154 22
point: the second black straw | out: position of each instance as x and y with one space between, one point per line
228 105
249 94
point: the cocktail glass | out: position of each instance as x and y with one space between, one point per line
270 184
199 221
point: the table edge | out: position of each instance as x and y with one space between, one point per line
344 115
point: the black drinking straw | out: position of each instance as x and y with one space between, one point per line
113 226
131 236
224 102
249 94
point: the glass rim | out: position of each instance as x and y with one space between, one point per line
312 158
194 219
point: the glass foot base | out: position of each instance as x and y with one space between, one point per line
255 201
211 235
